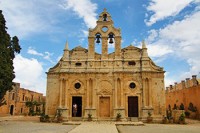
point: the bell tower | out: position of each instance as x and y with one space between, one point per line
103 34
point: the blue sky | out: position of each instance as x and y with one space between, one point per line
170 28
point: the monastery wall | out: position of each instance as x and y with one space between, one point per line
185 92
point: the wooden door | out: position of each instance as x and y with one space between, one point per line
104 106
133 106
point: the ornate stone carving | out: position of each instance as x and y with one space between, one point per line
105 88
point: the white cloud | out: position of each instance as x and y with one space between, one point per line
30 74
47 56
180 39
25 17
33 52
84 9
85 33
162 9
157 50
169 81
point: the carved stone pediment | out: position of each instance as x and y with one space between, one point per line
105 88
130 47
79 48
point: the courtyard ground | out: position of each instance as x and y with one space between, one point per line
21 124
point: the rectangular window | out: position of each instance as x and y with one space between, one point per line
21 110
23 97
13 96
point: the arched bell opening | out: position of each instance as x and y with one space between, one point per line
111 38
105 17
111 42
98 42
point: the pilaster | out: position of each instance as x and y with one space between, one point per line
104 47
91 49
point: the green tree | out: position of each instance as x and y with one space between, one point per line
8 47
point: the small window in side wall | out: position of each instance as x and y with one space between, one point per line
23 97
78 64
131 63
13 96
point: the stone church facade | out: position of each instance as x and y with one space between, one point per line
126 81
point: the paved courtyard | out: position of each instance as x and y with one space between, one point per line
160 128
32 125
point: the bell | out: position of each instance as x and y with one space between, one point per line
111 41
105 17
98 38
111 38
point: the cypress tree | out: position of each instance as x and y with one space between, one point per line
8 47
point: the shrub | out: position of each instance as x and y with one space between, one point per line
182 117
182 107
149 114
119 115
192 108
89 115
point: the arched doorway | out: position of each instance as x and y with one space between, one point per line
11 109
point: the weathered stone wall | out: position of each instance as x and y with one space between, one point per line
17 98
183 95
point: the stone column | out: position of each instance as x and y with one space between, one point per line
66 93
94 91
150 92
122 93
115 92
144 92
87 93
60 93
118 93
